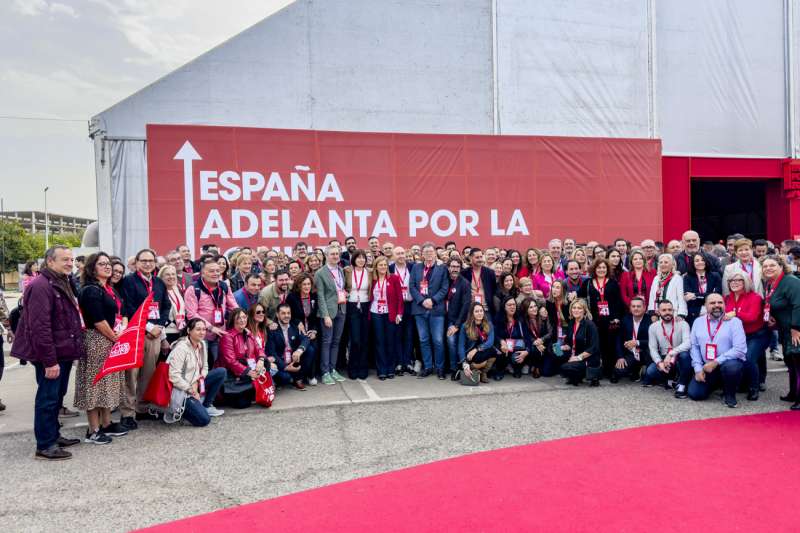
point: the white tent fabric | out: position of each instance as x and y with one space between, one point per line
708 77
721 77
574 68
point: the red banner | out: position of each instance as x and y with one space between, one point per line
237 186
128 351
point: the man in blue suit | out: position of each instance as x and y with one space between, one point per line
248 294
291 350
428 291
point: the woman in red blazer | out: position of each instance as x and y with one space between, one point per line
748 306
386 313
637 281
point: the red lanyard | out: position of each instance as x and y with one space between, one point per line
476 282
216 296
425 270
309 304
381 289
736 302
571 287
772 288
708 325
702 283
510 326
636 329
113 294
638 283
750 271
671 333
250 298
402 274
358 282
147 284
335 277
482 335
601 290
535 328
575 332
176 301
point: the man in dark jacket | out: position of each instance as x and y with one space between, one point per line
482 281
633 344
50 336
292 351
135 288
457 306
428 290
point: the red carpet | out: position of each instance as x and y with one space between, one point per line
727 474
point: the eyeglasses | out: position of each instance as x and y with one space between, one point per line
147 261
103 264
259 312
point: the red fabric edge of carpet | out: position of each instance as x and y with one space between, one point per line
723 474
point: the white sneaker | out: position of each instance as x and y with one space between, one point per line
313 382
213 411
418 366
526 370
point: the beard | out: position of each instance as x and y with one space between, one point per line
717 312
667 318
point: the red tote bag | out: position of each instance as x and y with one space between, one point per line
265 389
159 390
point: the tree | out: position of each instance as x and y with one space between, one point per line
20 246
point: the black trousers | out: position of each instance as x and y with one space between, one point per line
358 364
633 368
575 371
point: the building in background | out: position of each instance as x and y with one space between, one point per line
716 81
34 221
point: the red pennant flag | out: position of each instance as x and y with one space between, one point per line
128 351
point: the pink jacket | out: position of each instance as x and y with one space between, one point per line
540 283
205 308
235 348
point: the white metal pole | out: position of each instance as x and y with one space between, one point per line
46 222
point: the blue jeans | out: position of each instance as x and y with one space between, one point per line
49 397
757 344
195 412
452 351
431 332
385 343
682 370
728 373
329 354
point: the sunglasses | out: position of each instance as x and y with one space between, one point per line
259 312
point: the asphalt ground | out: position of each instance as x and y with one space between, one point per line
309 439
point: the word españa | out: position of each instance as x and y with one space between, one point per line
241 223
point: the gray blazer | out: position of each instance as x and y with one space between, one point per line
327 293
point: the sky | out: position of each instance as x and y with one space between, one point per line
67 60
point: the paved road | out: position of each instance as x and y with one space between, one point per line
309 439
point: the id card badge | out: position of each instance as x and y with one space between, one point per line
602 308
118 324
478 298
406 294
711 352
202 386
382 306
510 344
341 296
152 311
766 313
561 333
423 287
251 363
287 355
217 316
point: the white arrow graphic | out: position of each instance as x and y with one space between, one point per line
188 154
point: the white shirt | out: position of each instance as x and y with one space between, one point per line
359 294
379 293
405 279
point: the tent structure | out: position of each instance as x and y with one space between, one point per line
711 79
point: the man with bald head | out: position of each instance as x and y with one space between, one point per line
691 246
405 330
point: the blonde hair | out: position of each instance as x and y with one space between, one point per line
748 283
580 301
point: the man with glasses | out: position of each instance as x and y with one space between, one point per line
428 290
135 288
331 302
650 253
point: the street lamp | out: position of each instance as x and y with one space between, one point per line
46 222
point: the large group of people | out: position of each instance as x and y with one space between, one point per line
691 317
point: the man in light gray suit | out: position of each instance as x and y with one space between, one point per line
331 300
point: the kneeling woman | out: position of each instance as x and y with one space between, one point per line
476 349
241 356
582 343
538 335
188 373
510 339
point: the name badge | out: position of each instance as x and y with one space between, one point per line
510 344
423 287
602 308
118 324
406 294
478 298
711 352
561 332
341 296
287 355
217 316
766 313
152 311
